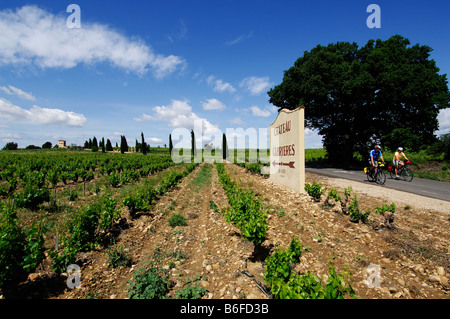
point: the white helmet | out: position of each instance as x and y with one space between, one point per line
400 149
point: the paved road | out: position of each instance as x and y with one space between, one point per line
418 186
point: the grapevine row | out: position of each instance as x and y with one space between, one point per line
21 250
91 224
246 210
26 178
248 214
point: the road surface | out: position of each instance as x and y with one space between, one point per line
418 186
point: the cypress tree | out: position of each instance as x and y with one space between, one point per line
194 149
170 144
225 153
103 145
144 146
123 144
109 147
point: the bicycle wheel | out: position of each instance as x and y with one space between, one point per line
406 174
392 173
370 178
380 178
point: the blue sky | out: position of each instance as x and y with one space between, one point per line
153 66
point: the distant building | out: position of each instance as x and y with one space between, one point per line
62 144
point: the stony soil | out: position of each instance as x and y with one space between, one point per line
414 257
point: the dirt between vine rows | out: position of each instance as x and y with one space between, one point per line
413 257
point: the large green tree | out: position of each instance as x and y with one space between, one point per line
11 146
357 96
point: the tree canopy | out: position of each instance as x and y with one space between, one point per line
11 146
384 92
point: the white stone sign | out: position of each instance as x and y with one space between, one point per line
287 149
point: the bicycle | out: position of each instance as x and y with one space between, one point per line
404 172
379 177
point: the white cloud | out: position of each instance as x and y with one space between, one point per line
38 115
236 121
256 85
239 39
11 90
32 36
179 115
256 111
182 33
213 104
219 85
9 137
154 140
444 121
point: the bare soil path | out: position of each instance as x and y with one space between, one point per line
208 251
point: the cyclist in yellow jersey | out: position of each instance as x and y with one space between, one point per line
398 163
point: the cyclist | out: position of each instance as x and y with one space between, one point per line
373 160
398 163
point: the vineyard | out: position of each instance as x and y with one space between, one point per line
142 227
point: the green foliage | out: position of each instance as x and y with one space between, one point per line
246 210
345 87
285 283
347 192
83 228
334 195
192 290
213 206
172 179
47 145
114 179
89 227
32 196
139 200
315 190
72 195
12 241
108 212
53 177
20 251
123 144
253 167
34 192
177 219
443 145
33 249
385 208
117 257
278 265
25 177
225 150
152 283
11 146
355 213
62 259
403 136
